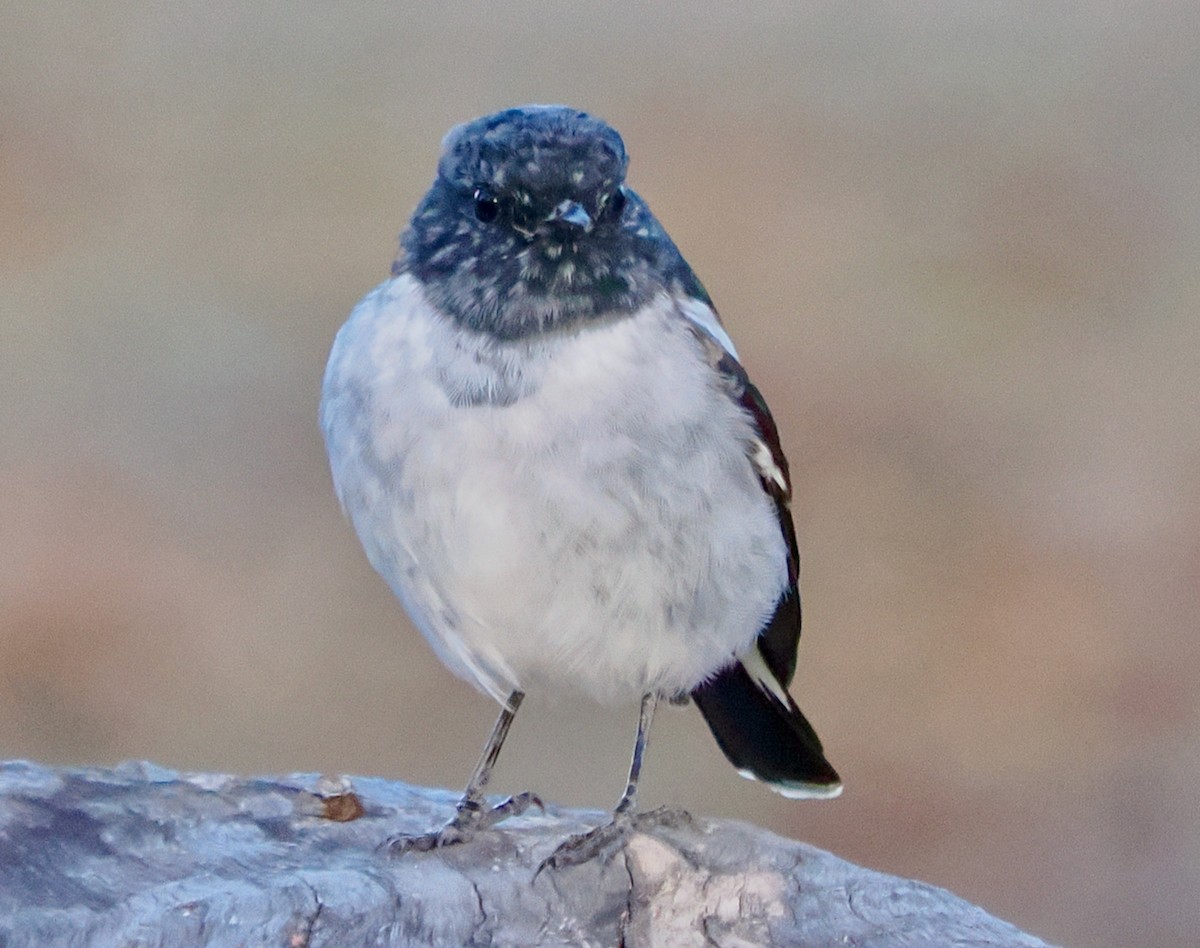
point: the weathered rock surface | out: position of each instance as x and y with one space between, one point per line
142 856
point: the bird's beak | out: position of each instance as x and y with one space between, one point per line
573 214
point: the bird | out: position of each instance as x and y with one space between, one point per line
542 435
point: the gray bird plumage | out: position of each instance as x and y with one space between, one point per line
542 435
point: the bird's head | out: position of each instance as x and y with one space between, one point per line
549 173
529 226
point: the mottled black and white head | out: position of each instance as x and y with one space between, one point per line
529 227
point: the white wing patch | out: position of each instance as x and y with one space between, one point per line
706 318
756 665
764 463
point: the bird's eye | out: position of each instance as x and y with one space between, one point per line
616 203
487 207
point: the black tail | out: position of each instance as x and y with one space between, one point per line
762 732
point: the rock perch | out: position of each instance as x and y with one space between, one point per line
142 856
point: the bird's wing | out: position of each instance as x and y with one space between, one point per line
747 706
780 637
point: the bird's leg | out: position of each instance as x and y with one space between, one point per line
471 813
628 801
586 846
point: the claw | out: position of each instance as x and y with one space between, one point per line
607 838
513 806
584 847
469 819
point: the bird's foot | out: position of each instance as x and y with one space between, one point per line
606 839
470 818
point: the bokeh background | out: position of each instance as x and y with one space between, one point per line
957 246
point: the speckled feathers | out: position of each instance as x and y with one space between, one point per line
529 270
537 155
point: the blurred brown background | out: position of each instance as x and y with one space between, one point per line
957 246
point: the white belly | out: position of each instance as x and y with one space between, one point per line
577 510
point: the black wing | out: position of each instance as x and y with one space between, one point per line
753 718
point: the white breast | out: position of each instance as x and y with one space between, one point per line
578 509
